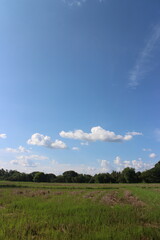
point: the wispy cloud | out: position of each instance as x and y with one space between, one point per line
28 161
72 3
143 63
20 149
84 143
78 3
3 135
75 148
146 149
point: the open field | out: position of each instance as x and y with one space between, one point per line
79 211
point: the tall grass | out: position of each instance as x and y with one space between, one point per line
60 212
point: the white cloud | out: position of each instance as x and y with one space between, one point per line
75 148
78 3
24 163
143 64
41 140
58 144
3 135
72 3
84 143
59 168
104 165
152 155
117 161
127 164
139 165
32 157
135 133
28 161
147 149
20 149
97 134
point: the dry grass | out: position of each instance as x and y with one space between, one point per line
131 199
111 198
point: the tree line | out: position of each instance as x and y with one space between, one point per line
128 175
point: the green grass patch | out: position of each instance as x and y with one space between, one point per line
75 211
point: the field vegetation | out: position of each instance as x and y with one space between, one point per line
66 211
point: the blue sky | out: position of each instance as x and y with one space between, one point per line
79 84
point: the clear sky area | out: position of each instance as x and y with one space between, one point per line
79 85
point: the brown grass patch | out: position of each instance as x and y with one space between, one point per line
74 193
37 193
145 238
29 193
156 189
111 198
2 207
92 195
152 225
133 200
57 193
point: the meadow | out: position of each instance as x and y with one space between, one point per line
53 211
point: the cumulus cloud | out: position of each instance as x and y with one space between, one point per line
28 161
143 63
138 165
117 160
97 134
41 140
20 149
152 155
59 168
3 135
127 164
75 148
104 164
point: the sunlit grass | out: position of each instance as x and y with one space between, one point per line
59 211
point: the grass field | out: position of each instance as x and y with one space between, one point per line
79 211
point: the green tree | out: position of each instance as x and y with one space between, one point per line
70 176
50 177
102 178
39 177
152 175
129 175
